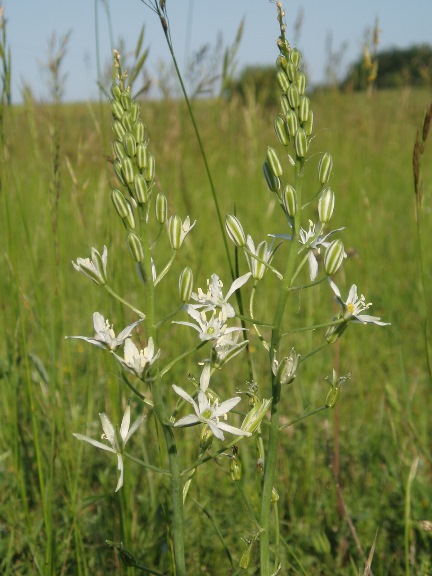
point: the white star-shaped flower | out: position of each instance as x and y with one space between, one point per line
104 334
214 298
138 361
211 329
354 307
94 267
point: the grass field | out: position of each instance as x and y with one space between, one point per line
58 505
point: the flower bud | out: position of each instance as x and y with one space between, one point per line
206 439
300 143
127 169
259 268
304 107
141 156
273 181
291 71
284 104
117 109
308 125
300 82
273 162
332 397
291 123
334 257
116 91
236 469
150 167
255 416
281 62
141 191
281 131
235 230
129 144
118 130
326 205
186 284
134 111
129 220
282 80
325 168
295 57
119 150
285 371
246 556
289 200
161 208
293 96
127 122
135 247
335 332
139 131
174 231
118 170
120 203
125 100
274 495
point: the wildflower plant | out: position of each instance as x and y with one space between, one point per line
310 254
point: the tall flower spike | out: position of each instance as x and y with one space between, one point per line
104 334
116 438
94 267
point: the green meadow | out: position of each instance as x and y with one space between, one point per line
348 478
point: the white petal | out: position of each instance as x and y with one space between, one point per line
238 284
94 443
214 428
124 427
108 428
99 322
120 469
226 406
90 340
233 429
205 377
126 331
188 420
313 265
134 427
185 396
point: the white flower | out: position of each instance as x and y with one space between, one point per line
214 298
211 329
94 268
104 334
313 240
226 348
354 307
209 414
116 438
138 361
264 253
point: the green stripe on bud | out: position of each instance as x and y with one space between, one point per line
274 162
125 100
120 203
282 80
135 247
127 169
174 231
139 131
134 111
300 143
334 256
118 130
335 332
304 107
129 220
326 204
300 82
118 171
186 284
161 208
235 230
281 131
325 168
293 96
141 191
332 397
119 150
291 71
150 167
141 156
292 123
127 122
117 109
308 125
115 91
273 181
281 62
236 469
289 200
206 438
285 107
129 144
295 57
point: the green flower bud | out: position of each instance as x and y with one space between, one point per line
325 168
135 247
334 257
120 203
300 82
118 171
119 150
129 220
291 71
129 144
273 162
295 57
300 143
115 91
139 131
282 80
174 231
335 332
186 284
308 125
326 205
274 496
206 439
255 416
289 200
125 100
118 130
281 62
304 107
260 268
141 191
273 181
150 168
284 104
236 469
161 208
291 123
117 109
281 131
235 230
246 556
293 96
332 397
134 111
127 169
141 156
127 122
285 371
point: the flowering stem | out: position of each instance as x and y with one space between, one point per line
123 301
251 301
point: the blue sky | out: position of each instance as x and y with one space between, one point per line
195 23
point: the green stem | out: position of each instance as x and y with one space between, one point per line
123 301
